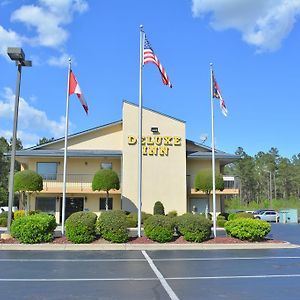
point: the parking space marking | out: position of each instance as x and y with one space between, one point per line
74 279
71 260
162 280
235 277
224 258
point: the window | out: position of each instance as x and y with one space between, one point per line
48 170
106 165
46 204
103 201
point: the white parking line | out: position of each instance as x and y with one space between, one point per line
235 277
162 280
224 258
71 260
74 279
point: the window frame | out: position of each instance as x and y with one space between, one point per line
110 203
47 176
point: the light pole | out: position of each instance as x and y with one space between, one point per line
18 55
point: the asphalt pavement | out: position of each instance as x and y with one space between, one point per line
216 274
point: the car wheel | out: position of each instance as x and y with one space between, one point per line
257 218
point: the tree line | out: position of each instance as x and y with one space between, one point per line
266 175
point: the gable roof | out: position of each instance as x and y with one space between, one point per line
75 135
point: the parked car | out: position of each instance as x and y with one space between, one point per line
267 215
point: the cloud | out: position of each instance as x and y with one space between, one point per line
263 24
8 38
60 61
48 18
46 22
33 123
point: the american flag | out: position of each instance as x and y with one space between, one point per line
150 57
217 95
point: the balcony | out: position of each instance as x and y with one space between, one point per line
75 183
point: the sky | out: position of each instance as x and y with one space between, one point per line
253 45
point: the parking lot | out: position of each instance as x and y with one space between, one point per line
215 274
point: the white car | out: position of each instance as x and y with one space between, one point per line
267 215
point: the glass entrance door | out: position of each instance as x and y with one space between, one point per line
73 204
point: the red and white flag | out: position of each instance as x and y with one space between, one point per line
74 88
150 57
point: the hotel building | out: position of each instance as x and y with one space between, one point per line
170 164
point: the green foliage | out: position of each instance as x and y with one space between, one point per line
19 213
240 215
28 181
81 227
221 220
194 227
159 228
145 216
132 220
248 229
105 180
224 214
38 228
203 182
172 214
3 221
112 225
158 208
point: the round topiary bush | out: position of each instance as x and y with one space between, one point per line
194 227
81 227
112 225
240 215
158 208
38 228
247 229
159 228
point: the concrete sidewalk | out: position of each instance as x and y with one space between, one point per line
129 246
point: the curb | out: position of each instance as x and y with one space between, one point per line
126 247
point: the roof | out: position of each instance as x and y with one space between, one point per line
76 134
224 158
70 153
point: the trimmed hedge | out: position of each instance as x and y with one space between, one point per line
194 227
221 220
112 225
159 228
81 227
172 214
38 228
132 219
248 229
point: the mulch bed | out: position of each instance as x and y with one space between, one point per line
145 240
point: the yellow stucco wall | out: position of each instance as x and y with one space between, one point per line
163 177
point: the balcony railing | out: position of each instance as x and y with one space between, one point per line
75 182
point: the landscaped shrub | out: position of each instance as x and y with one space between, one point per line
19 213
240 215
159 228
158 208
132 219
81 227
172 214
34 229
145 216
247 229
221 221
224 214
3 222
112 225
194 227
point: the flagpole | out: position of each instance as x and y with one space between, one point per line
213 152
140 133
65 155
